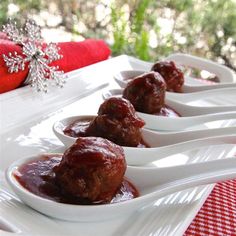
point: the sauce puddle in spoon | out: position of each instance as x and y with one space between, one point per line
39 178
168 112
78 128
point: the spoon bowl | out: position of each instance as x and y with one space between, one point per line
161 144
223 73
152 183
190 115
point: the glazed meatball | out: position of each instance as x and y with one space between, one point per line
173 76
146 92
92 170
118 122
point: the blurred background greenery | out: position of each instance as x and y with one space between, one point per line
147 29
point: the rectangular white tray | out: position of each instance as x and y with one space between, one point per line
26 129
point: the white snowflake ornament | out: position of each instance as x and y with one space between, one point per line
36 55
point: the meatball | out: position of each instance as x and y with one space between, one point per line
118 122
173 76
146 92
91 170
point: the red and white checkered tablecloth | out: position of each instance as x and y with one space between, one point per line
218 214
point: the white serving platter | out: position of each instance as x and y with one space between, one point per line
28 131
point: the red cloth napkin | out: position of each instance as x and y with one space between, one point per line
75 56
3 36
218 214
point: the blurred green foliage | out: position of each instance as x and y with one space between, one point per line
3 11
147 29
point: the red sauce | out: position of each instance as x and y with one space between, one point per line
39 178
168 112
78 129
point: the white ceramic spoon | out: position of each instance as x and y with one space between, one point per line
143 156
190 85
226 76
161 144
152 183
177 101
229 93
190 115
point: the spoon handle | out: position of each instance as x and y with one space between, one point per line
197 88
189 97
188 110
180 123
184 176
212 117
142 156
165 139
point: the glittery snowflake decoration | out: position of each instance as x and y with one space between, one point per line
36 55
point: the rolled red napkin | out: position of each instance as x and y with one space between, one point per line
3 36
75 55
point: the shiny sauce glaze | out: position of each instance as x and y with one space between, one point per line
168 112
39 178
78 129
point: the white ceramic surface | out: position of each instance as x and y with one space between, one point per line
190 115
152 183
226 76
169 215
